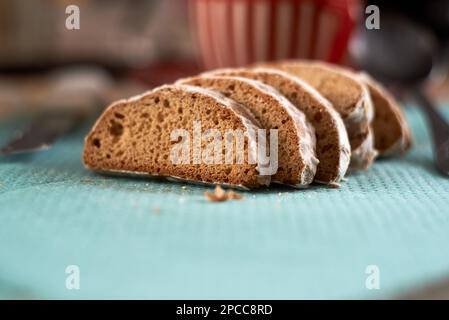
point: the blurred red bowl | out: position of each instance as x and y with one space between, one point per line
233 33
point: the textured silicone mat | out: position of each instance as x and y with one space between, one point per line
147 239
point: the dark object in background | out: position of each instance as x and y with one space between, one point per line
400 51
403 53
433 14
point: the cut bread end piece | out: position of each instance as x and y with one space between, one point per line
160 132
291 138
348 95
391 131
332 144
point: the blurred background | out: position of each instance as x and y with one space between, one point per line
125 47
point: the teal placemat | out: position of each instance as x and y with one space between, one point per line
147 239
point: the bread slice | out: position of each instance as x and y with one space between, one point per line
350 98
391 132
296 149
332 144
142 135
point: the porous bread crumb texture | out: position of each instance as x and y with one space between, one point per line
329 140
391 132
134 136
349 97
272 115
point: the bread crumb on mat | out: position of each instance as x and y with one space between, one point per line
156 210
220 195
333 185
234 195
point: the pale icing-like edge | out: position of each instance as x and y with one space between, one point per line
305 132
245 115
344 145
365 154
363 112
401 144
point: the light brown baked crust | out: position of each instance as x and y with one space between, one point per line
296 148
133 136
348 95
391 131
332 144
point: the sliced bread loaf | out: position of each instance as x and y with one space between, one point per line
332 145
296 160
391 132
159 134
350 98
